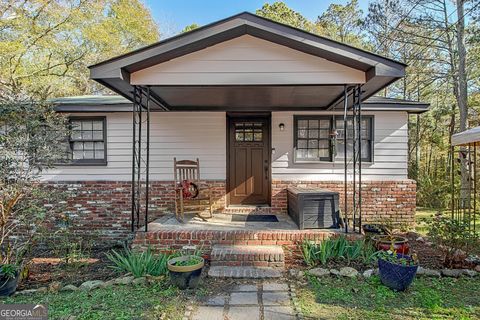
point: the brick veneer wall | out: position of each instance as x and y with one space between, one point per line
102 209
392 201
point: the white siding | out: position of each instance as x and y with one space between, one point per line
390 151
173 134
188 135
247 60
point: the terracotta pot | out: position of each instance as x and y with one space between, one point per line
384 242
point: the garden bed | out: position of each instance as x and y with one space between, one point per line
46 267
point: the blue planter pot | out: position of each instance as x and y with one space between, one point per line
395 276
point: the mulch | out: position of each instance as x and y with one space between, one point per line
429 257
46 268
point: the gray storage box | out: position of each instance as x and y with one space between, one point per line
313 208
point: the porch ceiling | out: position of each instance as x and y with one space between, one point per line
247 98
310 87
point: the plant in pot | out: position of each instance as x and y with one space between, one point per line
185 269
391 240
397 271
372 229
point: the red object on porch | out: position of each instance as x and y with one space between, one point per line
189 189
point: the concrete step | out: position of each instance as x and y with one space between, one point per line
245 255
243 272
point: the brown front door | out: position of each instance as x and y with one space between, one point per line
249 160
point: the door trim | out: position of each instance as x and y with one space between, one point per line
268 117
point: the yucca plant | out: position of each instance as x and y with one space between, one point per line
139 264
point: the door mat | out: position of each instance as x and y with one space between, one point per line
255 218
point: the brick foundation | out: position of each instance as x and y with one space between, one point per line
382 201
101 209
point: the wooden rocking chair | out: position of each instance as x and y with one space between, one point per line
189 170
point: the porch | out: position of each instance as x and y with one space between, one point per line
251 72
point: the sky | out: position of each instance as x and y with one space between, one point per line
173 15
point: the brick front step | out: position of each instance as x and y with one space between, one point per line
243 272
255 256
290 240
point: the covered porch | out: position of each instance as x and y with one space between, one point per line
246 67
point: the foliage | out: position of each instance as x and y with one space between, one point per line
192 260
139 264
280 12
451 235
157 301
31 142
338 249
343 23
46 46
392 257
8 270
190 27
427 298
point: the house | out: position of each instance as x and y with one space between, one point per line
261 104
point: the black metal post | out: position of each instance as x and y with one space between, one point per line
345 158
354 157
147 164
360 158
452 179
133 153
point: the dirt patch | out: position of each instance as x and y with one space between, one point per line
46 268
428 256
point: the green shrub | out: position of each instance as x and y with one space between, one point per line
139 264
452 235
338 249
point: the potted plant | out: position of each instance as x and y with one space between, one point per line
373 229
397 271
8 279
185 270
391 241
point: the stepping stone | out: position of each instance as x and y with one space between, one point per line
208 312
216 301
245 287
244 313
275 286
276 298
237 298
278 313
244 272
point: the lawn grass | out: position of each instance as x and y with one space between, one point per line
428 298
422 217
119 302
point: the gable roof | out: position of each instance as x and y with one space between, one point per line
115 73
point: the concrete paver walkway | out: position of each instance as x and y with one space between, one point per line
259 301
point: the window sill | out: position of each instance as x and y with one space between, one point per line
82 164
328 162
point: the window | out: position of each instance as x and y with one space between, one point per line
87 140
320 138
247 132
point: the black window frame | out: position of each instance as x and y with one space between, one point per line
332 140
88 162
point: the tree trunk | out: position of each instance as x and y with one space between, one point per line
462 101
